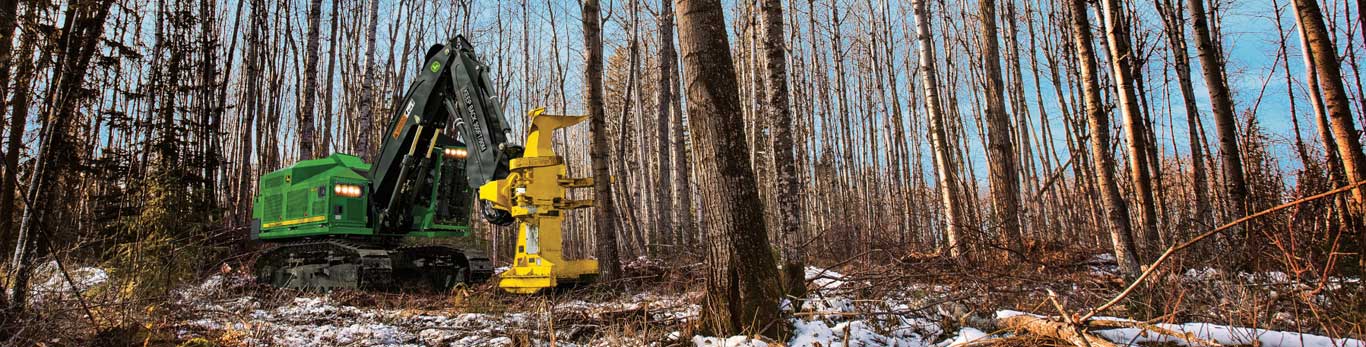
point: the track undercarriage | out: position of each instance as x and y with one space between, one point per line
329 264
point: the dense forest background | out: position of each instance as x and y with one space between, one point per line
135 131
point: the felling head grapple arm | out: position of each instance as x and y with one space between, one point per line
453 85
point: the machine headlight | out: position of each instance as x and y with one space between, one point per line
456 153
347 190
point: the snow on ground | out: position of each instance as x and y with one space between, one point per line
833 319
833 314
835 323
49 283
965 336
824 278
733 341
315 321
828 295
1227 335
1222 334
660 307
320 320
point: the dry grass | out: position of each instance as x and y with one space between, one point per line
953 295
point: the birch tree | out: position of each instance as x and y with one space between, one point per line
1221 102
1121 67
1116 211
784 162
946 166
1317 41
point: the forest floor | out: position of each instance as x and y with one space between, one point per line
905 302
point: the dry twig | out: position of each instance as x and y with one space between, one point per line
1172 250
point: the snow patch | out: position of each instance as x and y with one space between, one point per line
1202 274
53 285
733 341
817 333
1226 335
824 278
1222 334
321 321
965 336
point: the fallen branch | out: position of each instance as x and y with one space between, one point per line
1115 324
1048 328
1172 250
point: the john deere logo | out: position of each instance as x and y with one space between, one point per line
436 66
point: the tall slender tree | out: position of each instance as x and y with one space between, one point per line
604 209
945 162
788 195
1122 64
18 116
364 144
663 192
1116 211
82 29
1173 24
1318 42
309 91
681 189
1221 102
1003 166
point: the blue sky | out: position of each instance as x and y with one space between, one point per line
1250 39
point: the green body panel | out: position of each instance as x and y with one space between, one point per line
300 202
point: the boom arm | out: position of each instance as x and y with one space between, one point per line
452 85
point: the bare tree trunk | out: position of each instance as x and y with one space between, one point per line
1300 147
9 20
24 73
946 166
307 146
743 287
249 105
1122 64
83 28
605 210
1116 212
1318 42
629 166
364 144
664 202
27 239
1170 12
788 194
329 118
1003 166
1211 62
682 166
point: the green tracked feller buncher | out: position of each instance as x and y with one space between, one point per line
338 222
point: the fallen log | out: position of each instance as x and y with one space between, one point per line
1048 328
1190 337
